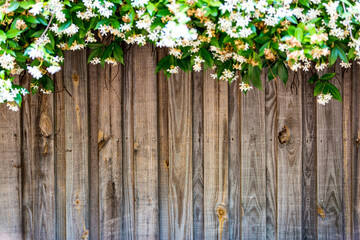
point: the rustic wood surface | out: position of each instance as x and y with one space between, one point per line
123 153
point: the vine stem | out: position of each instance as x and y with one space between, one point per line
348 23
47 27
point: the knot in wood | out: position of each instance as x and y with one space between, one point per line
75 77
284 135
357 142
45 125
221 212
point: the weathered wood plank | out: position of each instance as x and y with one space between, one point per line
253 174
180 157
355 144
94 74
271 124
60 155
309 204
110 153
76 144
329 166
346 79
128 147
289 159
10 174
163 102
215 158
198 155
235 203
145 143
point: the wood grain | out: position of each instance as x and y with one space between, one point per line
289 157
198 155
128 148
163 128
355 143
329 166
110 153
180 157
215 158
60 155
76 145
309 204
253 181
235 203
10 174
346 77
271 149
145 143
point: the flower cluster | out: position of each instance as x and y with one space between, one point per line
234 37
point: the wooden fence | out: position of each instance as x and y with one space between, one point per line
121 153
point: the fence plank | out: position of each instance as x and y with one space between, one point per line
329 175
355 143
289 161
94 74
180 157
346 78
235 206
10 174
271 123
60 155
253 182
110 153
77 145
146 143
128 150
198 155
215 158
163 102
309 216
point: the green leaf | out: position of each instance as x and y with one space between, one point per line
12 33
2 36
333 56
313 78
283 72
64 25
318 88
150 8
47 83
327 76
334 92
292 19
118 53
13 6
94 53
206 55
254 73
95 45
299 34
164 63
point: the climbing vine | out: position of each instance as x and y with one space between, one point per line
229 36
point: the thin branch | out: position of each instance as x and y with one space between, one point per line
47 27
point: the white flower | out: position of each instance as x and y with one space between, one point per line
53 69
35 72
173 69
12 106
324 98
36 8
7 61
35 53
244 87
95 60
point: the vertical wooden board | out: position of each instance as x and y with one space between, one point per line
271 153
289 157
76 145
94 76
110 153
355 144
128 147
163 101
235 203
253 182
10 174
145 143
346 80
309 215
329 165
215 158
198 155
180 157
38 192
59 155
